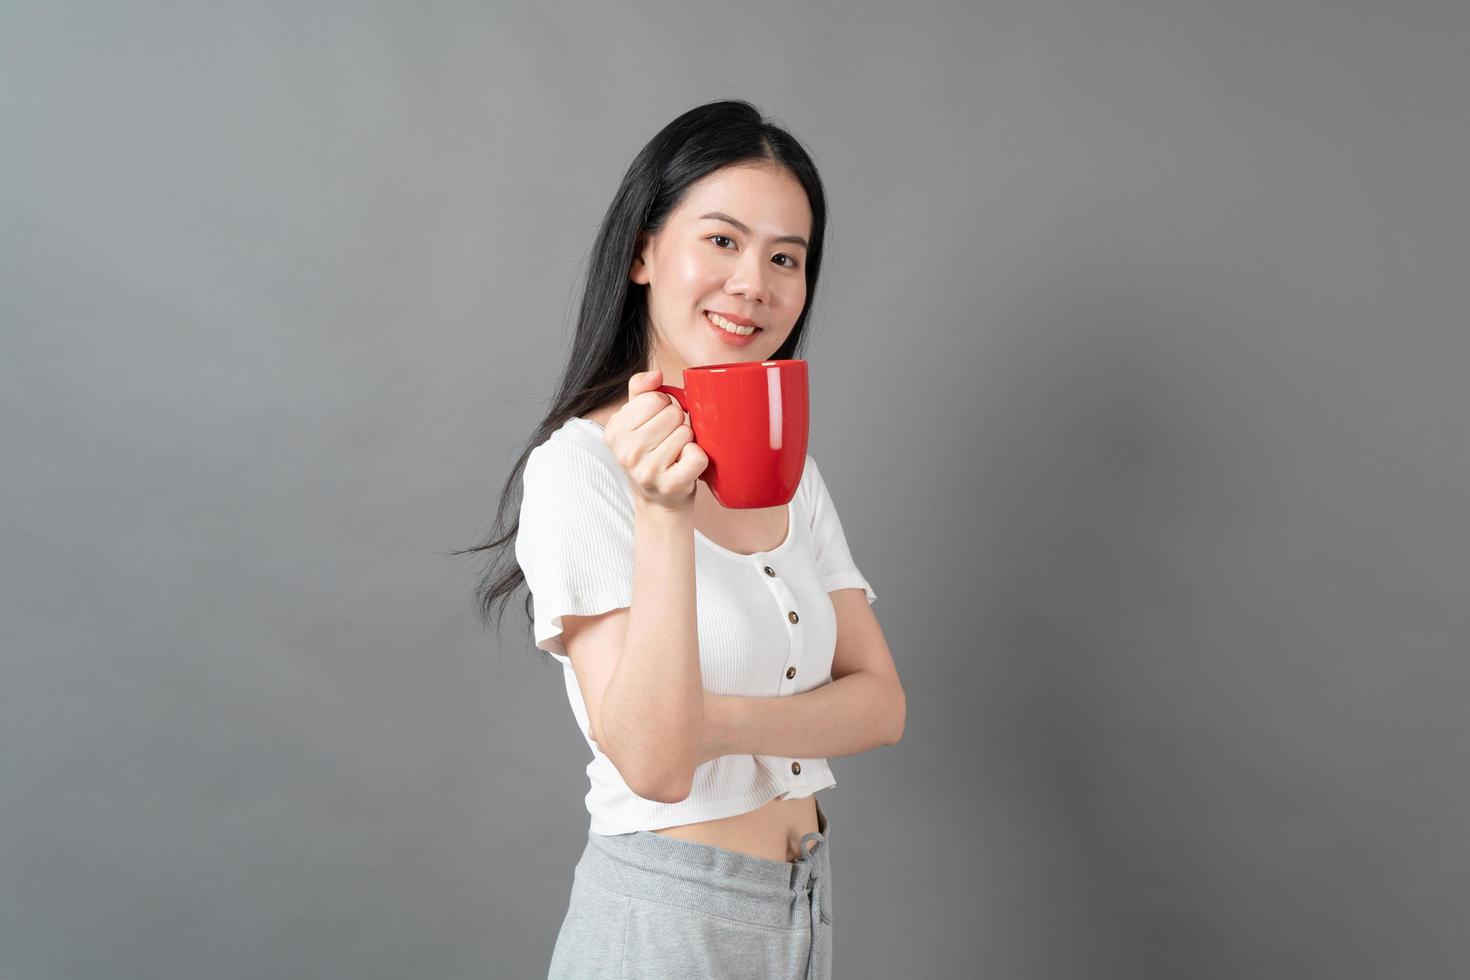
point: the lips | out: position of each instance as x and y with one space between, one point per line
730 338
737 320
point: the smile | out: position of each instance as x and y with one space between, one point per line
727 326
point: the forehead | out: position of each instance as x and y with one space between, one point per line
769 200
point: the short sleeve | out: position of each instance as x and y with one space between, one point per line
575 540
834 560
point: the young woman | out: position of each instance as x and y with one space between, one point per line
713 658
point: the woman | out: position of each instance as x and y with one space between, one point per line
713 658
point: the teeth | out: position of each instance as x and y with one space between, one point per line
724 324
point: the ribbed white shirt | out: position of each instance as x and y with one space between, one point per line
766 624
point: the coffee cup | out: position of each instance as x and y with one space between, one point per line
750 418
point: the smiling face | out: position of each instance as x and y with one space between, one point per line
748 264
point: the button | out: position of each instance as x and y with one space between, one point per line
790 672
793 617
770 571
796 769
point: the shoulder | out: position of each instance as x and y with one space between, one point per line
574 463
574 445
811 478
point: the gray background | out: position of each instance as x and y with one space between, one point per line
1139 379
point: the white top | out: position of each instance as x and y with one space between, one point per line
575 546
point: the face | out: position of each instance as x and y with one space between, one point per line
744 265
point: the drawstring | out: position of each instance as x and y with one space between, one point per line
819 883
817 898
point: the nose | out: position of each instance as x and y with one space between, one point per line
749 279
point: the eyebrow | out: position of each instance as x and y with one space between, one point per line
721 216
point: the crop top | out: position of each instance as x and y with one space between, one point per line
766 625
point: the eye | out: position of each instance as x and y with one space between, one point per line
790 259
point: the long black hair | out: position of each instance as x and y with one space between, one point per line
612 342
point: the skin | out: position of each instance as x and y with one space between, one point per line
695 264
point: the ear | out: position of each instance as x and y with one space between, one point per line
639 271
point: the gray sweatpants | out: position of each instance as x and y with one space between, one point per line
648 907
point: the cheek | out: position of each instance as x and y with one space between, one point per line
697 271
796 299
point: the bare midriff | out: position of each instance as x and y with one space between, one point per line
772 831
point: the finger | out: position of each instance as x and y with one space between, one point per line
644 381
692 460
663 416
643 406
667 452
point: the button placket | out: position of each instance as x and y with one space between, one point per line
796 636
795 646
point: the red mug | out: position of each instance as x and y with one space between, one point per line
750 418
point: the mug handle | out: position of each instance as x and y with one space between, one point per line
678 394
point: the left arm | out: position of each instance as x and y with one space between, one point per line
864 706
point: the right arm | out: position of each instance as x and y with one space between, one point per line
639 666
653 708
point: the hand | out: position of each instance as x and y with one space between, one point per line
651 441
